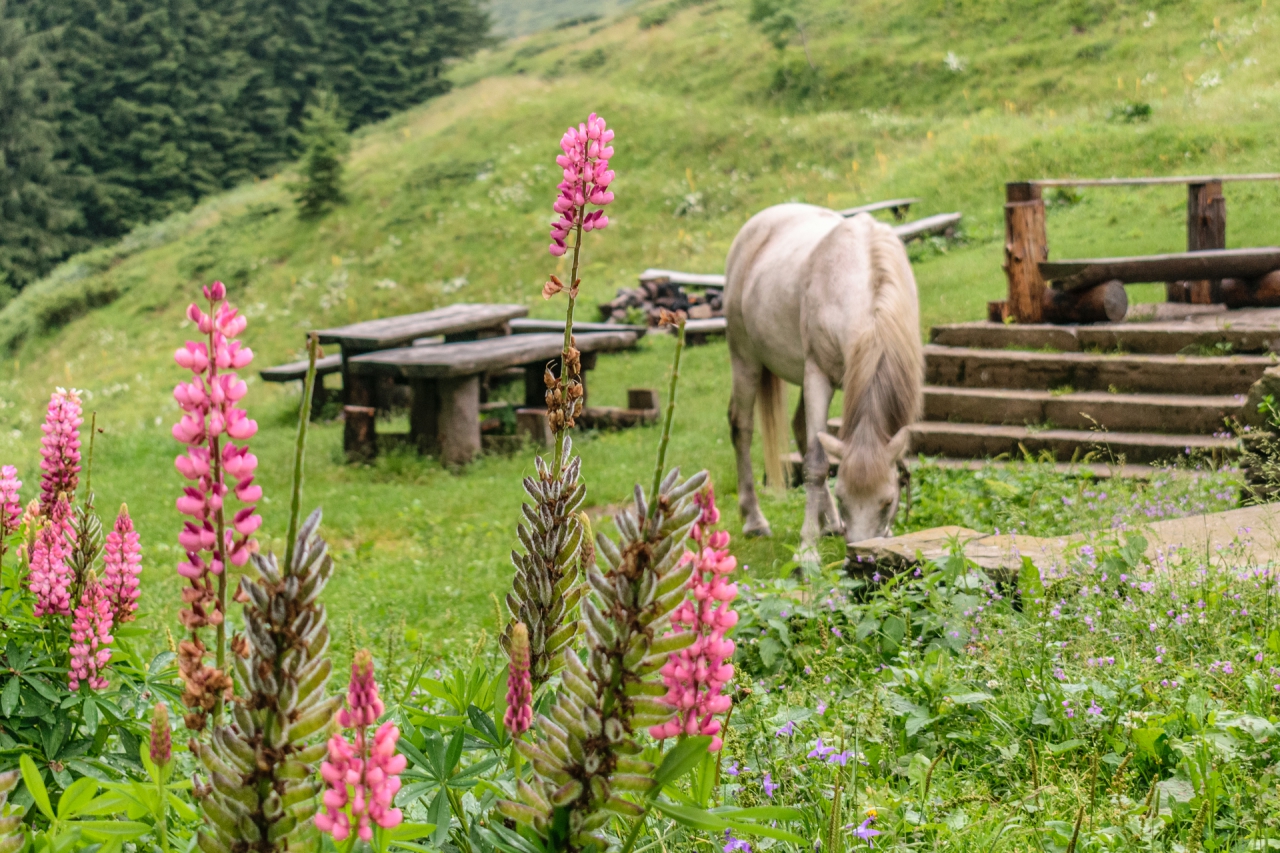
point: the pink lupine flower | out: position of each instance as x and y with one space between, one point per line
50 577
10 505
60 449
122 563
696 675
519 714
90 638
209 422
363 777
587 176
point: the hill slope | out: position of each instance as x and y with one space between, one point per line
449 202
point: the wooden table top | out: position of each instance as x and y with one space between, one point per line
467 359
391 332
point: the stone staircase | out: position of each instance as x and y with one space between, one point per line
1146 391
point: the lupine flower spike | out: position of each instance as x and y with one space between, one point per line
695 676
50 577
363 777
587 176
91 637
161 748
10 505
210 540
60 449
122 563
519 686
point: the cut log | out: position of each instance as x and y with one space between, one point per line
643 398
1261 293
360 433
532 423
1026 246
1103 303
1178 266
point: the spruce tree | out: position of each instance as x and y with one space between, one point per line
320 187
38 219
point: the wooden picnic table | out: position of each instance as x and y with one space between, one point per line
445 381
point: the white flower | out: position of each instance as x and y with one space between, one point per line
955 63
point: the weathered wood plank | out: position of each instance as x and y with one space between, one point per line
893 204
395 331
928 225
298 369
695 279
527 326
467 359
1142 182
1178 266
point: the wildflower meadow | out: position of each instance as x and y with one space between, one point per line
644 692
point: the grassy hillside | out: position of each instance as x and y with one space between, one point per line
522 17
450 202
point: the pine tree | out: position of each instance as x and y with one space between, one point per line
38 220
326 148
386 55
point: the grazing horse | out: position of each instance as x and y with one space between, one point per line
822 302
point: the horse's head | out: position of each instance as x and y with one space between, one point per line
869 484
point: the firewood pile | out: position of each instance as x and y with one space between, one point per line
644 304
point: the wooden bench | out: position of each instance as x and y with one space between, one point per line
896 206
1071 275
525 326
444 413
1026 252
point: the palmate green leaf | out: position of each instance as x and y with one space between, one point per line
121 830
438 813
9 699
483 725
415 756
76 798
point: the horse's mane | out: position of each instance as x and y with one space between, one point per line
883 366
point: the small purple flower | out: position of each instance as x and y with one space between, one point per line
788 730
1094 708
836 631
732 769
735 845
822 708
841 758
821 751
768 784
865 832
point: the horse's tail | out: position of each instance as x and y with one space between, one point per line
883 381
773 419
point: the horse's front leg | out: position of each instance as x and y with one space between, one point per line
819 510
746 384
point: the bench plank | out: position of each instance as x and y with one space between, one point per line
935 224
526 326
690 278
1211 264
891 204
472 357
295 370
395 331
1144 182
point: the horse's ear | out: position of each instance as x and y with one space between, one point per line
899 443
834 446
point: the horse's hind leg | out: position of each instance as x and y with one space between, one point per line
746 385
820 515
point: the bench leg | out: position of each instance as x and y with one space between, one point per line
424 416
357 392
459 420
360 433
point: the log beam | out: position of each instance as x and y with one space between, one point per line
1260 293
1103 303
1026 245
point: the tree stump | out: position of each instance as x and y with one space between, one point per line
1103 303
360 433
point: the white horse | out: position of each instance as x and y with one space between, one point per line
821 301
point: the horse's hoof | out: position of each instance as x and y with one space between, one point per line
808 556
754 529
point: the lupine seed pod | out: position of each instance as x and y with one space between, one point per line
11 835
585 755
259 793
546 591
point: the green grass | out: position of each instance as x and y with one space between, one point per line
450 202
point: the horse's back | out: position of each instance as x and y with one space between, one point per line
765 281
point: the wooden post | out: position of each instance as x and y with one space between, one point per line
357 393
1025 245
643 398
1206 229
424 416
459 419
535 388
360 433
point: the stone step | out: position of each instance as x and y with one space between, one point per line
1228 333
1163 413
968 367
974 441
793 464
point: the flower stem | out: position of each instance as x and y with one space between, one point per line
666 425
635 829
568 333
220 531
299 450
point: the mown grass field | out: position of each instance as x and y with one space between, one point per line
449 202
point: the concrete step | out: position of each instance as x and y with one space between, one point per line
974 441
968 367
793 465
1249 333
1163 413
